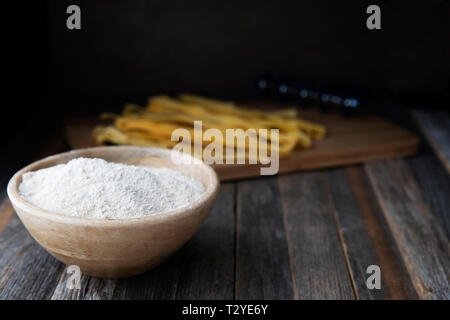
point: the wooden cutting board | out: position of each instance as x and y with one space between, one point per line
349 141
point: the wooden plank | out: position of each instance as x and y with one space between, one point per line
207 262
11 241
91 288
33 273
262 256
349 141
6 212
435 126
308 161
392 268
434 181
157 284
420 239
354 236
318 261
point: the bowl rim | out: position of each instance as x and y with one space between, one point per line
15 198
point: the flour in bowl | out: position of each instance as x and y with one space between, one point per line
97 189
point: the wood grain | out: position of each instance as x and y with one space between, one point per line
393 271
91 288
262 257
420 239
6 211
157 284
354 236
434 181
11 241
318 261
32 273
436 128
349 141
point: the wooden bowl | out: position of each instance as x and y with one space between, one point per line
118 247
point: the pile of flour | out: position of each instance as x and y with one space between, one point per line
97 189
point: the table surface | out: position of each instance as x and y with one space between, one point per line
308 235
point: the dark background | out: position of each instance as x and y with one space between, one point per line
128 50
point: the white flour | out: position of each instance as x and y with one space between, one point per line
97 189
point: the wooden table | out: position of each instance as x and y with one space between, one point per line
308 235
